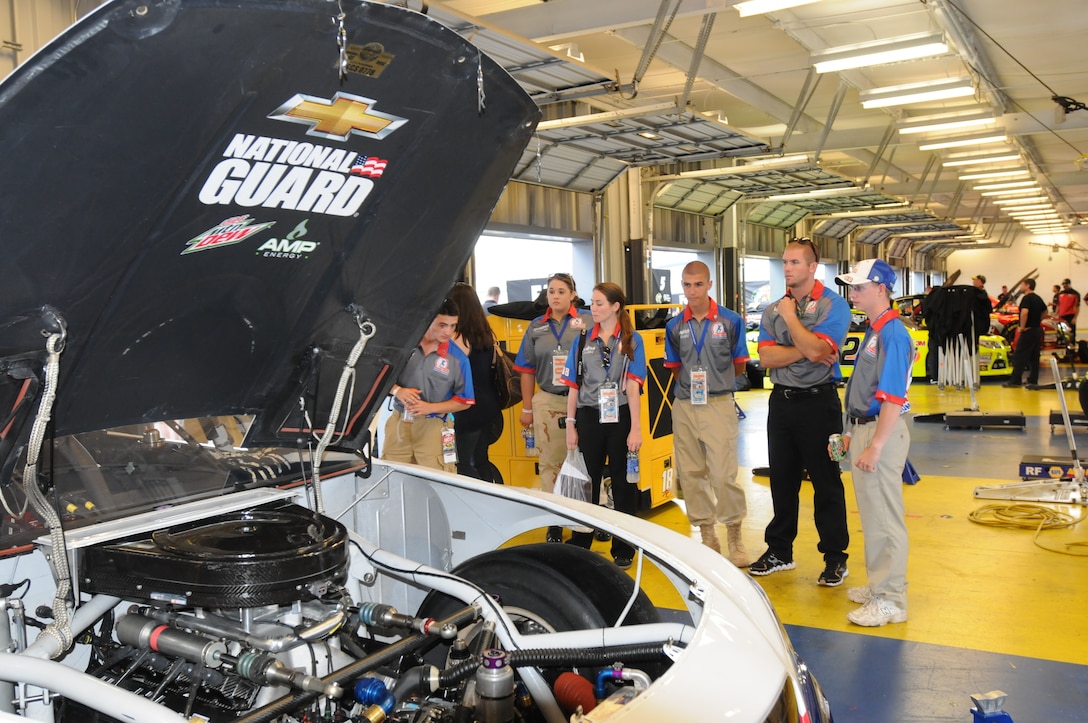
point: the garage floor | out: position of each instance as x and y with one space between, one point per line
990 608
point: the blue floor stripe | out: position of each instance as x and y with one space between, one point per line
870 680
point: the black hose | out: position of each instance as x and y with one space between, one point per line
556 657
410 682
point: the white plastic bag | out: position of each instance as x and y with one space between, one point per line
573 479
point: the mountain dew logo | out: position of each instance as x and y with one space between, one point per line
229 232
294 246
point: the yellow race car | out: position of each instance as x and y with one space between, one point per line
994 351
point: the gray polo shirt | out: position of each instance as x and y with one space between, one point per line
825 314
548 339
715 344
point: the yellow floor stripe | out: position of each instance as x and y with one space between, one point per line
971 586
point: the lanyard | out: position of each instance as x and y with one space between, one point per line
562 329
702 339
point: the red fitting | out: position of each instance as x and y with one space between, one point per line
572 690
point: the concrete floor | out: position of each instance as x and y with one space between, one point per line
990 608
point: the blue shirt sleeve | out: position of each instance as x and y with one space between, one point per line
637 368
740 342
837 322
672 354
462 387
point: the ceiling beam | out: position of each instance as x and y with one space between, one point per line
547 21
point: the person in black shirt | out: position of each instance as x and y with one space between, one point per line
1029 339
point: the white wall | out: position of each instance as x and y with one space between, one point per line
1006 266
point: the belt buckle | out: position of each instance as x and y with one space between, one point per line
788 393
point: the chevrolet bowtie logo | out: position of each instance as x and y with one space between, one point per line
338 118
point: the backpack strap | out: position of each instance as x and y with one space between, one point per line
578 360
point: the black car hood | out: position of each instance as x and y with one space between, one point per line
212 213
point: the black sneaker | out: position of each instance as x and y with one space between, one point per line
833 575
769 562
1012 384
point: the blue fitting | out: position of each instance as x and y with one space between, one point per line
369 613
371 691
603 677
995 717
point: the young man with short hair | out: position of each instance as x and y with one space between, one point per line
878 439
706 349
436 382
799 340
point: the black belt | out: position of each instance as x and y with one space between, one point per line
796 392
863 420
563 393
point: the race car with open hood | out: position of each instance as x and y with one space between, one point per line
227 224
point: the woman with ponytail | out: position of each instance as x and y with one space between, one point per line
606 369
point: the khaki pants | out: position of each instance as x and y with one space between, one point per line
551 441
880 506
418 442
705 443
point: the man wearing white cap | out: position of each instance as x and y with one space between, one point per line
878 440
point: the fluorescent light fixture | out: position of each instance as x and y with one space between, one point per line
880 52
758 7
796 159
974 140
987 175
943 122
1021 211
917 92
998 186
1012 192
1007 202
976 160
818 193
1038 208
648 135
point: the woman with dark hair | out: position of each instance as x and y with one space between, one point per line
479 425
540 361
603 410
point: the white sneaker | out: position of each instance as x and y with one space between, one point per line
877 612
860 595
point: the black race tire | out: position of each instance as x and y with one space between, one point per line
563 587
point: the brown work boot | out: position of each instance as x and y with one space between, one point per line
737 554
710 538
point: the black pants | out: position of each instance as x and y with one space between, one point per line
605 446
472 459
798 425
1026 356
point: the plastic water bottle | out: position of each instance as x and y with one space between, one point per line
632 467
530 442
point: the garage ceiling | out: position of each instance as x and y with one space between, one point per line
682 86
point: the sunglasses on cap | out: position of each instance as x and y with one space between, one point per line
810 243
